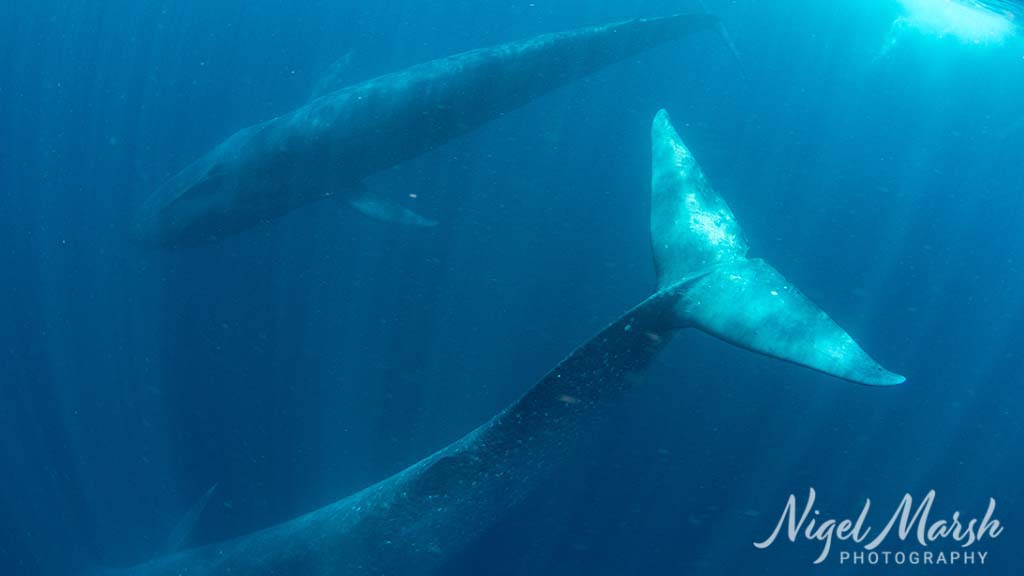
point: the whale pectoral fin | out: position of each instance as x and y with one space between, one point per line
377 206
185 527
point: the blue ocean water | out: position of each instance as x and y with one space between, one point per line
872 157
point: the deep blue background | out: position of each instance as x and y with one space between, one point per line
305 359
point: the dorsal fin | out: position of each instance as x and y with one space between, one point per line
348 70
701 256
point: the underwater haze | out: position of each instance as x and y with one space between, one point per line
872 150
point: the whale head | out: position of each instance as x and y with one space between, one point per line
206 200
181 209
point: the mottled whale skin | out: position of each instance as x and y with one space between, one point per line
325 148
412 522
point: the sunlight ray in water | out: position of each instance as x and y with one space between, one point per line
966 20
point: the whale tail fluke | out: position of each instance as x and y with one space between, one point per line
701 255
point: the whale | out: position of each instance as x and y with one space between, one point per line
414 521
327 147
1012 10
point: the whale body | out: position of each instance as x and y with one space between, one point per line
325 148
414 521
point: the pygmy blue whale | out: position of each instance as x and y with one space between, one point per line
328 146
412 522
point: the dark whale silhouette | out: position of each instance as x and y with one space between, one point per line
325 148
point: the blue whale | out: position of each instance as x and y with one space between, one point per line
327 147
414 521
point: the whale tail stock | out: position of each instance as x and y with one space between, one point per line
705 281
701 260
